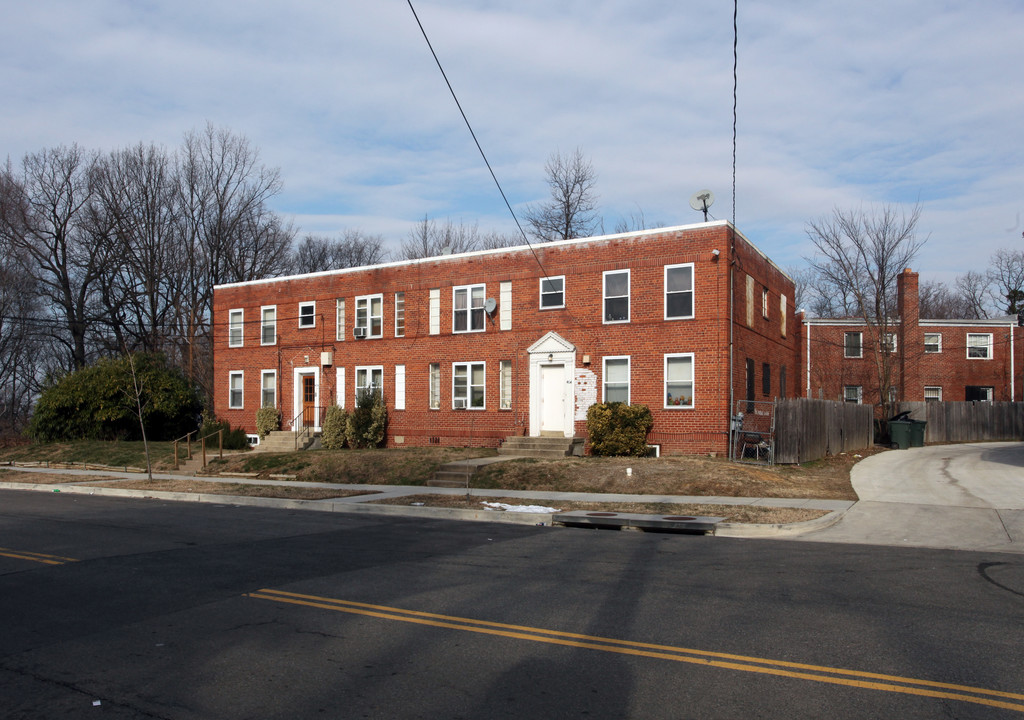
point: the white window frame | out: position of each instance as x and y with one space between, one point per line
987 346
339 319
400 314
505 385
240 374
311 304
367 372
339 384
272 374
673 356
468 367
605 297
271 324
434 307
937 345
364 305
935 390
860 345
560 293
475 314
604 377
764 303
859 391
236 328
888 342
434 386
691 292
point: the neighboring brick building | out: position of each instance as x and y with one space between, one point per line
931 359
472 348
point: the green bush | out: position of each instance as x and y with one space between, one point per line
233 439
618 429
268 419
332 437
366 425
99 402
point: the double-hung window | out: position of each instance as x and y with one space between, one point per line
932 343
505 385
307 314
369 379
853 394
679 380
979 346
268 325
679 291
435 386
399 314
235 386
616 379
468 308
888 343
268 389
852 345
370 316
552 292
616 296
235 325
339 319
468 385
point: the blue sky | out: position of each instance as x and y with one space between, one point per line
840 104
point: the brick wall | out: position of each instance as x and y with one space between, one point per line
646 338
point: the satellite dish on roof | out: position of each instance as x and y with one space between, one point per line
701 201
490 305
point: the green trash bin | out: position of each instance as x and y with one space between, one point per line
899 433
917 432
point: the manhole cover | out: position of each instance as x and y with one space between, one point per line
678 517
601 514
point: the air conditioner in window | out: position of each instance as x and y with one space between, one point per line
359 332
459 403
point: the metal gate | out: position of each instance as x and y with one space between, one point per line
752 432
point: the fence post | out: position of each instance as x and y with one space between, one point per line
220 443
175 454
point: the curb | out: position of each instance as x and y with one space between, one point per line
748 530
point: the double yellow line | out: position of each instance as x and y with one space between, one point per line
743 663
35 557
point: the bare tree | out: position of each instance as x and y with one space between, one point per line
1006 273
865 252
496 240
975 291
571 209
635 221
428 238
316 253
20 344
47 219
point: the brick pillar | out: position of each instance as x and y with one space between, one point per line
910 338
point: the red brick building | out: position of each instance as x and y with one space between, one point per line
470 349
931 359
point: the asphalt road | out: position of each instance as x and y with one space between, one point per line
148 609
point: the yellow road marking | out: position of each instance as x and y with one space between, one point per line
781 668
35 557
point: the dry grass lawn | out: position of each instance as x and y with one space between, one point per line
190 485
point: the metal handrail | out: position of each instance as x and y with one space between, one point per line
305 430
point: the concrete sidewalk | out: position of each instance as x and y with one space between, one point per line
961 497
364 503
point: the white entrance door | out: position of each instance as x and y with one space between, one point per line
552 399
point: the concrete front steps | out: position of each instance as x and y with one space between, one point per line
283 441
541 447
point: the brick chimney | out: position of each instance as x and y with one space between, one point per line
910 338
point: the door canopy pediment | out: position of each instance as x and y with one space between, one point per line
552 342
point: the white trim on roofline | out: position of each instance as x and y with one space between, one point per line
514 249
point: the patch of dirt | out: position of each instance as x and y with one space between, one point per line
46 478
188 485
731 513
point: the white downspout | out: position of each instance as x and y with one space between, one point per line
1013 370
807 335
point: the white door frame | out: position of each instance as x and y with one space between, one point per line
552 349
297 374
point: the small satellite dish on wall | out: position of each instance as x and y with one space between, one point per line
701 201
490 305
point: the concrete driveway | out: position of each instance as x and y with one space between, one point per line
964 497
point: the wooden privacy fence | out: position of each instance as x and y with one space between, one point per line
810 429
971 421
